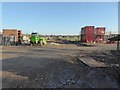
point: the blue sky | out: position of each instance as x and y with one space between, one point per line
0 16
59 18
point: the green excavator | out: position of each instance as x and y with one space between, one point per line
36 39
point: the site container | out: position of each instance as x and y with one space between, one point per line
82 30
99 38
89 30
100 31
87 38
83 38
87 34
91 34
99 34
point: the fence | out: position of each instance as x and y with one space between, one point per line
7 40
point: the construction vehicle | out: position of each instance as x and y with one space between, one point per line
37 40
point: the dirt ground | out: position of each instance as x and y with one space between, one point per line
58 66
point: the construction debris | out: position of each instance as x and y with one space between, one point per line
57 44
45 67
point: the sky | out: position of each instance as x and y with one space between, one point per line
58 18
119 17
0 16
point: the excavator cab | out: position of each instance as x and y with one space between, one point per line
34 38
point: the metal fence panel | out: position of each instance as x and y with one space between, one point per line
7 40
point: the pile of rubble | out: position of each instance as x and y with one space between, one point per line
79 75
108 57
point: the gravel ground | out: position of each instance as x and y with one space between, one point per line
56 67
